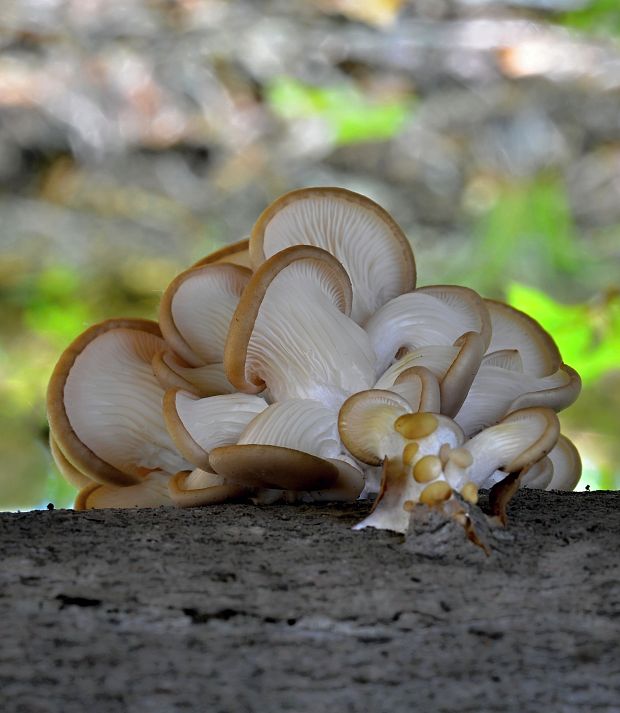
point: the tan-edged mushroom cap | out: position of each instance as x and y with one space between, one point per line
377 423
500 388
105 405
433 315
537 476
295 445
359 233
419 386
188 490
236 253
516 442
513 329
566 465
152 492
196 309
199 425
69 472
291 334
207 380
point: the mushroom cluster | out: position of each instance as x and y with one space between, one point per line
303 364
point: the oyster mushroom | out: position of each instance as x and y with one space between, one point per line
152 492
105 405
198 425
200 487
292 445
454 367
70 473
434 315
196 309
236 253
420 388
173 373
501 387
291 333
359 233
432 474
566 465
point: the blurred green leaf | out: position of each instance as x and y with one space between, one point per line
351 115
588 335
599 17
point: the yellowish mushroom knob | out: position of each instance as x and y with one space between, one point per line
415 425
470 492
409 453
408 505
461 457
435 493
427 468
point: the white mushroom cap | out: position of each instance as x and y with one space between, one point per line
196 309
152 492
454 367
291 332
378 424
518 441
500 388
199 425
354 229
292 445
429 316
513 329
420 388
202 488
207 380
566 465
105 404
236 253
537 476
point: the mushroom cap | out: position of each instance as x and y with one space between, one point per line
457 381
298 434
514 329
151 492
290 331
433 315
104 404
501 387
518 441
198 425
236 253
359 233
566 465
265 466
202 488
70 473
537 476
196 309
419 386
173 373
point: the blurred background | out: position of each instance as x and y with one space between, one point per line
136 137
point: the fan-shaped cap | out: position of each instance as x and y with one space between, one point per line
513 329
236 253
151 492
292 445
419 386
104 404
433 315
290 331
358 232
70 473
207 380
199 425
202 488
196 309
566 465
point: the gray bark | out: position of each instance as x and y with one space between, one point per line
285 608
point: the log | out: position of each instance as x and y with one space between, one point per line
240 608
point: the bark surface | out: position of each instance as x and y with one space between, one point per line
284 608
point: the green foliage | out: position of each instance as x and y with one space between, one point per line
588 335
598 17
352 117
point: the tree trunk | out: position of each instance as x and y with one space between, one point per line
284 608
